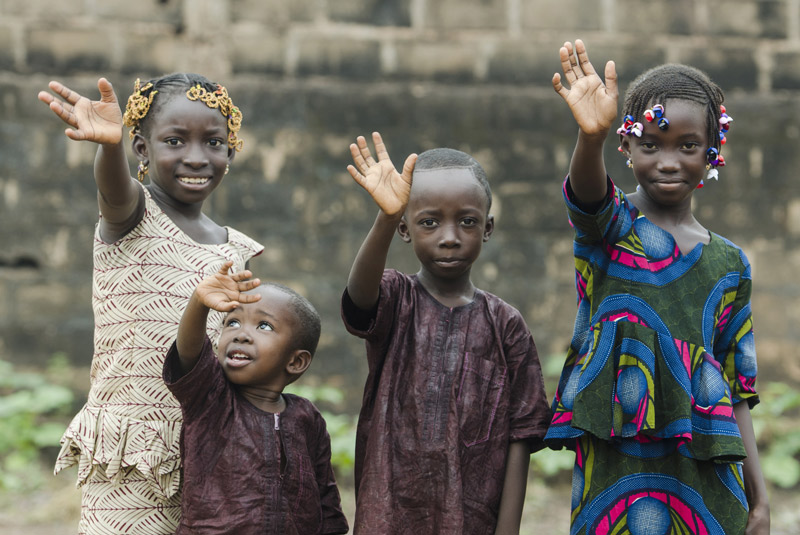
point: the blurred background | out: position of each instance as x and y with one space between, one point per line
310 76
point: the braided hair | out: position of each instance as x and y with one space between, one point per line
674 81
443 158
148 98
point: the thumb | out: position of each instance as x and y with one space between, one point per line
408 166
106 91
611 79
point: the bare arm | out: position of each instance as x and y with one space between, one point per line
390 190
514 487
119 197
220 291
594 106
754 486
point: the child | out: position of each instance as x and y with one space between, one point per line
656 392
152 246
454 403
255 460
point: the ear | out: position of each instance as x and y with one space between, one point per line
625 143
231 154
298 363
139 146
402 230
489 228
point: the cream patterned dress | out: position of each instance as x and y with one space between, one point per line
125 440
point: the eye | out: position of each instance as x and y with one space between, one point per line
469 221
233 323
647 145
174 141
216 142
690 145
265 326
428 223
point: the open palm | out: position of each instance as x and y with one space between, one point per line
99 121
224 292
593 103
388 188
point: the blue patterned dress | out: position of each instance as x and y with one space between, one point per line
662 349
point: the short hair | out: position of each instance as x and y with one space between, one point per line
308 320
444 158
675 81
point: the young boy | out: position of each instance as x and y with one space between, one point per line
255 460
454 403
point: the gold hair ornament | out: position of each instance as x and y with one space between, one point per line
138 106
220 100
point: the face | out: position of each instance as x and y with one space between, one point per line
669 164
446 221
186 149
257 343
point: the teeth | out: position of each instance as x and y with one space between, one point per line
189 180
238 356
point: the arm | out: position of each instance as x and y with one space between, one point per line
220 291
390 190
119 197
754 487
514 487
594 106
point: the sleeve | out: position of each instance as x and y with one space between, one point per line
529 411
200 387
373 324
333 519
735 349
603 223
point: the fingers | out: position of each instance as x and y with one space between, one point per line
358 159
611 79
380 147
560 89
565 54
583 59
226 266
64 92
363 150
408 167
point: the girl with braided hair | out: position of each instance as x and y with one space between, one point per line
659 380
152 246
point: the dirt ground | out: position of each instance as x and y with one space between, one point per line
54 509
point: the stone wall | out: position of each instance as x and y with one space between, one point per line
311 75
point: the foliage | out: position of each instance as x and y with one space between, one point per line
776 421
341 426
32 410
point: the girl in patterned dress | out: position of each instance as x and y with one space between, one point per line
152 246
656 392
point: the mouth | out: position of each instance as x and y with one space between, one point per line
448 261
237 359
194 181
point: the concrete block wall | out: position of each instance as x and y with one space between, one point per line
310 75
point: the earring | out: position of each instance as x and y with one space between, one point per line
629 163
227 168
141 171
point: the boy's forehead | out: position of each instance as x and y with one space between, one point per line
444 179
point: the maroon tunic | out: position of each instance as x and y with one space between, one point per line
247 471
448 389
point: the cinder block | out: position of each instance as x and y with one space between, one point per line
730 68
786 71
374 12
159 11
762 18
68 50
436 60
6 48
337 55
258 52
465 14
274 13
649 17
561 15
44 10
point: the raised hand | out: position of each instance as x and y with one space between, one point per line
593 103
89 120
389 188
224 292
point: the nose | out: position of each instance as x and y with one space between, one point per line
449 237
195 156
242 336
669 162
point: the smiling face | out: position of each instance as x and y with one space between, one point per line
185 145
258 342
669 164
446 221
